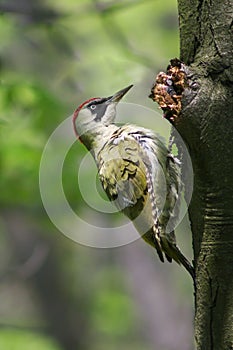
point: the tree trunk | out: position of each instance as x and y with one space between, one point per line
206 125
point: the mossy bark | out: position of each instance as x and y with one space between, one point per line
206 125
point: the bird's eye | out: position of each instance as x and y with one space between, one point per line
93 106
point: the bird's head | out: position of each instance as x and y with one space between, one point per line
96 112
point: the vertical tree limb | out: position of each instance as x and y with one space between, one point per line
197 98
206 125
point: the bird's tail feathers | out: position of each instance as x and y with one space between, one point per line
173 252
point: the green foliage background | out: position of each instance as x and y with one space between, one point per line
53 56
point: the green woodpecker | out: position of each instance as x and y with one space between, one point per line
136 170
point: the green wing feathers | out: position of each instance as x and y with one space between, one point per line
122 173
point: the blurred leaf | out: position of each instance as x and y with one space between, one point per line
21 340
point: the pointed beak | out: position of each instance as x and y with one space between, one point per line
118 95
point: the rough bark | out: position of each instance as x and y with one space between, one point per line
206 125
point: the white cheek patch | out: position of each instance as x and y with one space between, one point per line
110 114
84 121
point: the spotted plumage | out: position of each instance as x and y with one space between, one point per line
137 172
